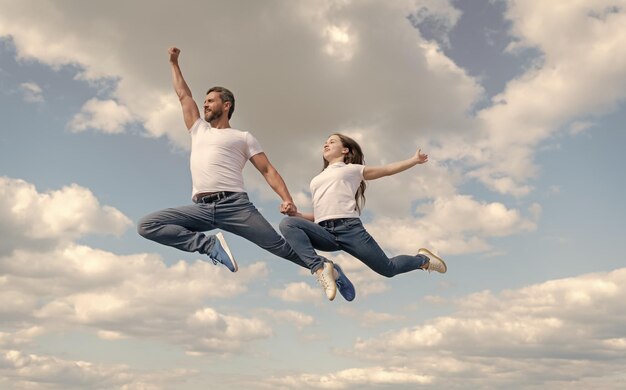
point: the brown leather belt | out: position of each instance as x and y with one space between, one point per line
210 197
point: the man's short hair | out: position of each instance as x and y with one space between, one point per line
226 96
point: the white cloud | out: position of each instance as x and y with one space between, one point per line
105 115
341 43
362 36
30 219
29 371
422 99
579 127
370 318
353 378
377 78
219 333
32 93
77 287
451 225
49 283
335 47
549 329
560 333
300 320
298 292
582 74
19 338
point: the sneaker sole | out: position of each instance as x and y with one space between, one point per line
222 241
431 254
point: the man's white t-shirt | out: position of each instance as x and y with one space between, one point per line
218 157
333 191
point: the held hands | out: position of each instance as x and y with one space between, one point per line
288 208
420 157
174 52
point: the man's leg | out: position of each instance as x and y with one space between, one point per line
237 215
180 227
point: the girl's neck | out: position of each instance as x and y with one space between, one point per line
335 160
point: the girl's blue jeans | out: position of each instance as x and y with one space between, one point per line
349 235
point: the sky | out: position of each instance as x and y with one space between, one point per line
520 106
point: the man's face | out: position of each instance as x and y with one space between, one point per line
213 106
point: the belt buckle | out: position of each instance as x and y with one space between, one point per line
207 199
213 197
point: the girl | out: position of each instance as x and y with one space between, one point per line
338 196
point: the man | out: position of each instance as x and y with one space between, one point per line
218 155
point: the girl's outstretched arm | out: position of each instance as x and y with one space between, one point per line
371 173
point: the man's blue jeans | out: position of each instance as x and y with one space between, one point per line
349 235
183 227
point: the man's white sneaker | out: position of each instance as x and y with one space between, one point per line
435 263
221 253
327 279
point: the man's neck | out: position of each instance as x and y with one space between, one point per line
221 123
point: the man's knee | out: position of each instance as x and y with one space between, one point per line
145 227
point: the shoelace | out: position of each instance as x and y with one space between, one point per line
322 280
215 261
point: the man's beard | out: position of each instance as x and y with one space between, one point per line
211 115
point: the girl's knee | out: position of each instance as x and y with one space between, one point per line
388 273
287 224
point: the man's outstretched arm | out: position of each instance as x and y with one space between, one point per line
190 108
273 178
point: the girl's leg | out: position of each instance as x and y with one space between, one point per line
354 239
304 237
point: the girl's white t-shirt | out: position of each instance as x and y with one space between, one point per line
333 191
218 157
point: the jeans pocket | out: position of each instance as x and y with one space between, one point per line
352 223
239 198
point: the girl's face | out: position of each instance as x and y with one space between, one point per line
334 149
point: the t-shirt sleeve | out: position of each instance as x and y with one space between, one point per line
254 147
196 125
358 169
